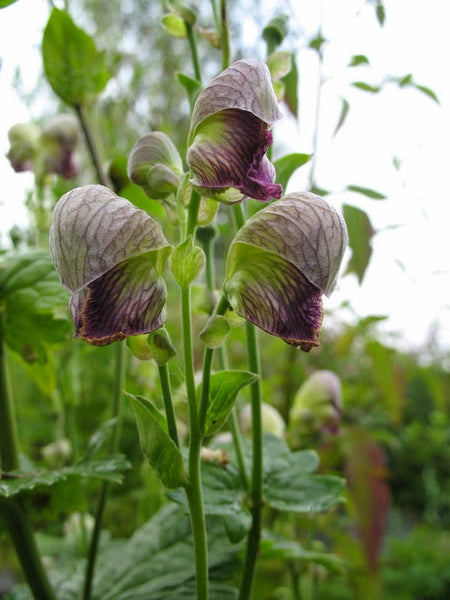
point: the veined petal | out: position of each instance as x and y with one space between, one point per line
307 231
109 254
127 300
274 295
229 152
245 85
281 262
93 230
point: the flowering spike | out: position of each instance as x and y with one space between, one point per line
108 254
230 134
282 261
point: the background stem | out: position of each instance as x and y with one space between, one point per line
92 147
194 53
120 364
168 404
15 514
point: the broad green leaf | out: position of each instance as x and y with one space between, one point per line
366 87
109 469
174 25
224 387
388 377
344 112
156 563
279 548
366 192
358 59
287 165
160 451
192 87
291 87
291 490
4 3
73 66
360 233
187 262
33 304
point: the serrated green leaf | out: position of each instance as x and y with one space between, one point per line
34 305
224 388
366 87
360 233
159 449
291 87
74 67
283 549
155 563
187 262
358 59
287 165
109 469
344 112
366 192
174 25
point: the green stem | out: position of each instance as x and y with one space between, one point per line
257 465
224 34
120 364
168 404
194 489
92 147
16 516
194 205
194 53
215 14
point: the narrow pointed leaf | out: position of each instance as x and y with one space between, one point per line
73 66
366 192
291 81
358 59
360 232
342 117
159 449
192 87
366 87
224 388
287 165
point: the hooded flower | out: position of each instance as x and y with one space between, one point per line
230 134
282 261
109 255
58 141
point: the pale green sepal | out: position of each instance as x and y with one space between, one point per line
215 331
187 262
174 25
160 346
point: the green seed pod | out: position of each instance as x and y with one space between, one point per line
281 262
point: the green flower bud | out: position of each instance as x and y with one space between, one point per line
160 346
272 421
155 165
317 406
215 331
24 142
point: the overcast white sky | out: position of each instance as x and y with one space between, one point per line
409 275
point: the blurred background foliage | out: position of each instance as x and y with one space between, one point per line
391 539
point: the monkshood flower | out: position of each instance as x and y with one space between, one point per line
155 165
58 142
109 255
280 264
24 143
230 134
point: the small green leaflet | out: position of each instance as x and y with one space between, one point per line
159 449
192 87
224 387
344 112
358 59
366 87
366 192
187 262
